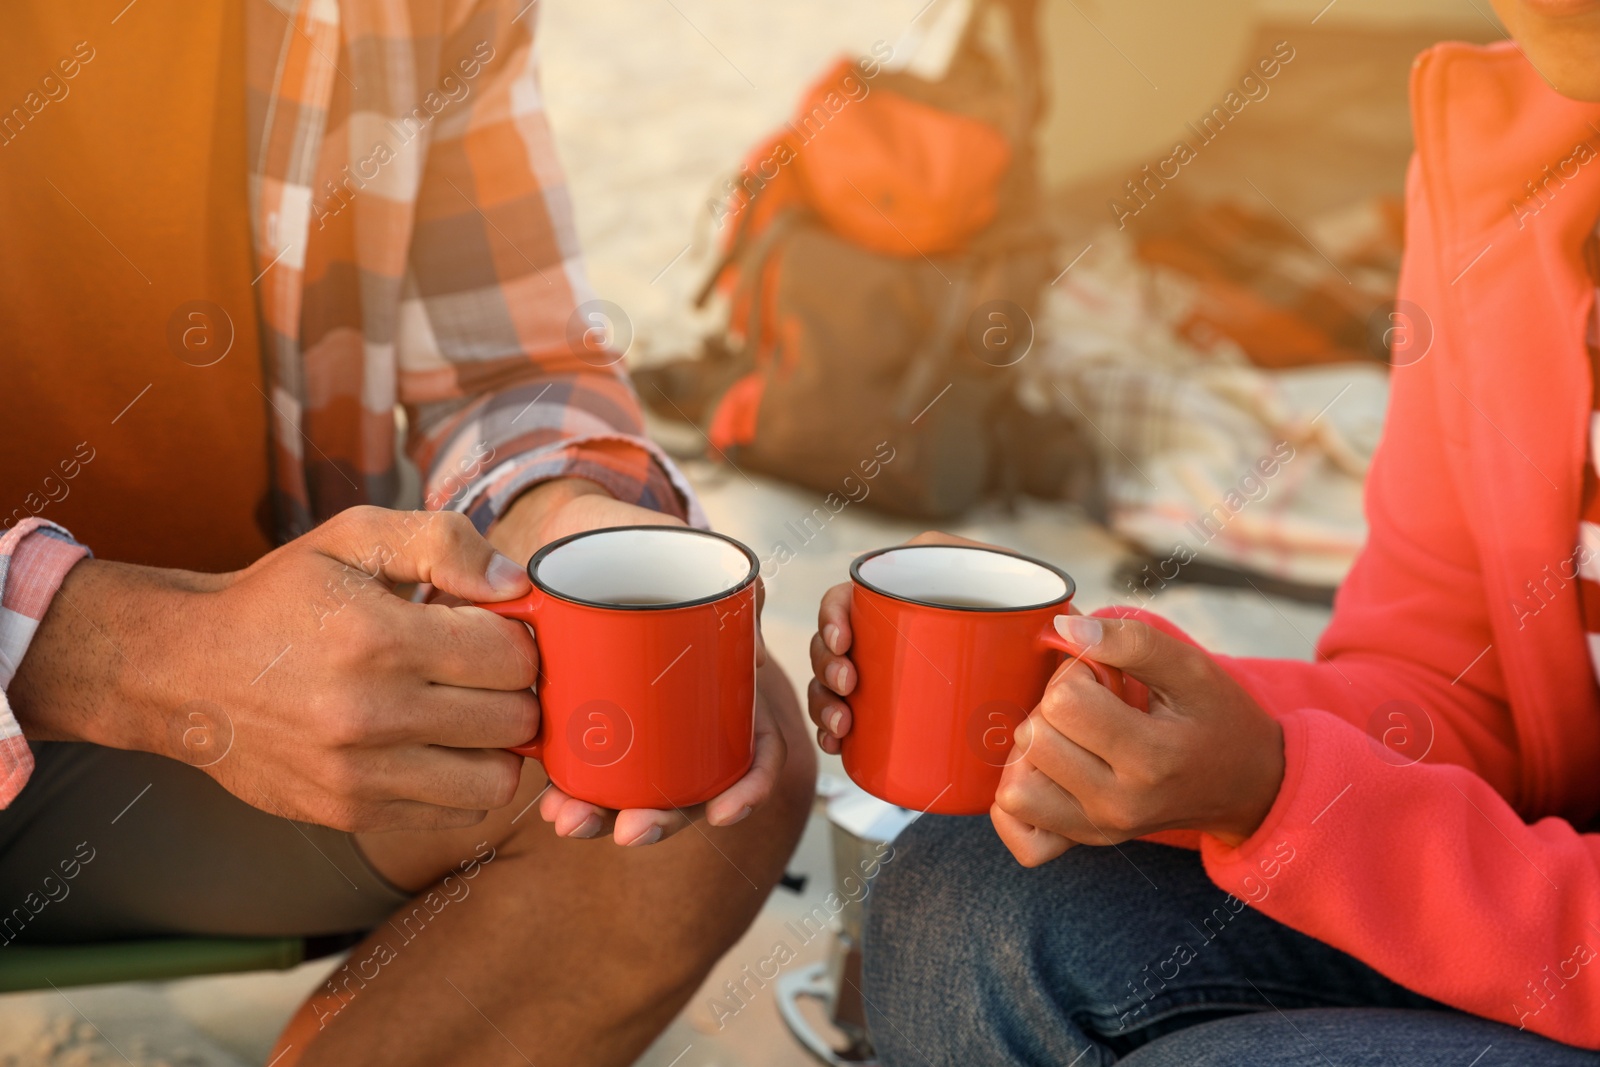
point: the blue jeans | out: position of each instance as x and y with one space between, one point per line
1130 955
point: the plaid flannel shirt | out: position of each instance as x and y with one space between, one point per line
416 247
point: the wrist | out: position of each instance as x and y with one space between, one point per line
1260 781
547 497
98 667
521 528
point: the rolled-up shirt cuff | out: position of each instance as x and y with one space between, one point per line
633 469
35 556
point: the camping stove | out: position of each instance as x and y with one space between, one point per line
861 827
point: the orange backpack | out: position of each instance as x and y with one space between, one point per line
859 241
881 169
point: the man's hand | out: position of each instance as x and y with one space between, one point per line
554 510
331 699
1095 771
646 826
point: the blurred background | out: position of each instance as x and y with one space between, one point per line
1109 284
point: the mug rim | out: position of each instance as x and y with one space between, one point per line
744 583
1071 586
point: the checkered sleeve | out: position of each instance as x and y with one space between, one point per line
510 369
35 557
483 455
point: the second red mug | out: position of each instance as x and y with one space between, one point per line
647 661
953 646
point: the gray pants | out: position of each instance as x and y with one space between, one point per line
106 845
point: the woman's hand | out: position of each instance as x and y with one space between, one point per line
833 675
1091 770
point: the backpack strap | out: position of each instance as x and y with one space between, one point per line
933 356
752 277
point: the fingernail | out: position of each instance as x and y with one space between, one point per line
588 827
1083 630
830 637
649 837
739 816
504 574
834 720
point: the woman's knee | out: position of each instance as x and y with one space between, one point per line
961 936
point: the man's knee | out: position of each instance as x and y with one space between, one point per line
796 790
796 787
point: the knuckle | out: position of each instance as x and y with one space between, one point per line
527 667
358 631
1122 818
344 814
1162 764
341 777
1198 668
344 520
347 725
455 819
1066 695
1057 701
819 653
1138 640
1032 855
321 702
1012 796
503 781
454 523
357 519
369 638
450 530
527 719
477 636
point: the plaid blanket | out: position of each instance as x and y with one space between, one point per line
1205 454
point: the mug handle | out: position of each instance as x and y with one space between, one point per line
1130 691
524 609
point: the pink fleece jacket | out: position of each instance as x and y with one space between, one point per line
1462 876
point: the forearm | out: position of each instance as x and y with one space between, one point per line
93 671
1415 709
1426 874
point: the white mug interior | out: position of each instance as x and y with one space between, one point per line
972 578
655 566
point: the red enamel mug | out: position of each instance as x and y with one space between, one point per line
953 647
647 663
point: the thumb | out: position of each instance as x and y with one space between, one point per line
1143 652
439 547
